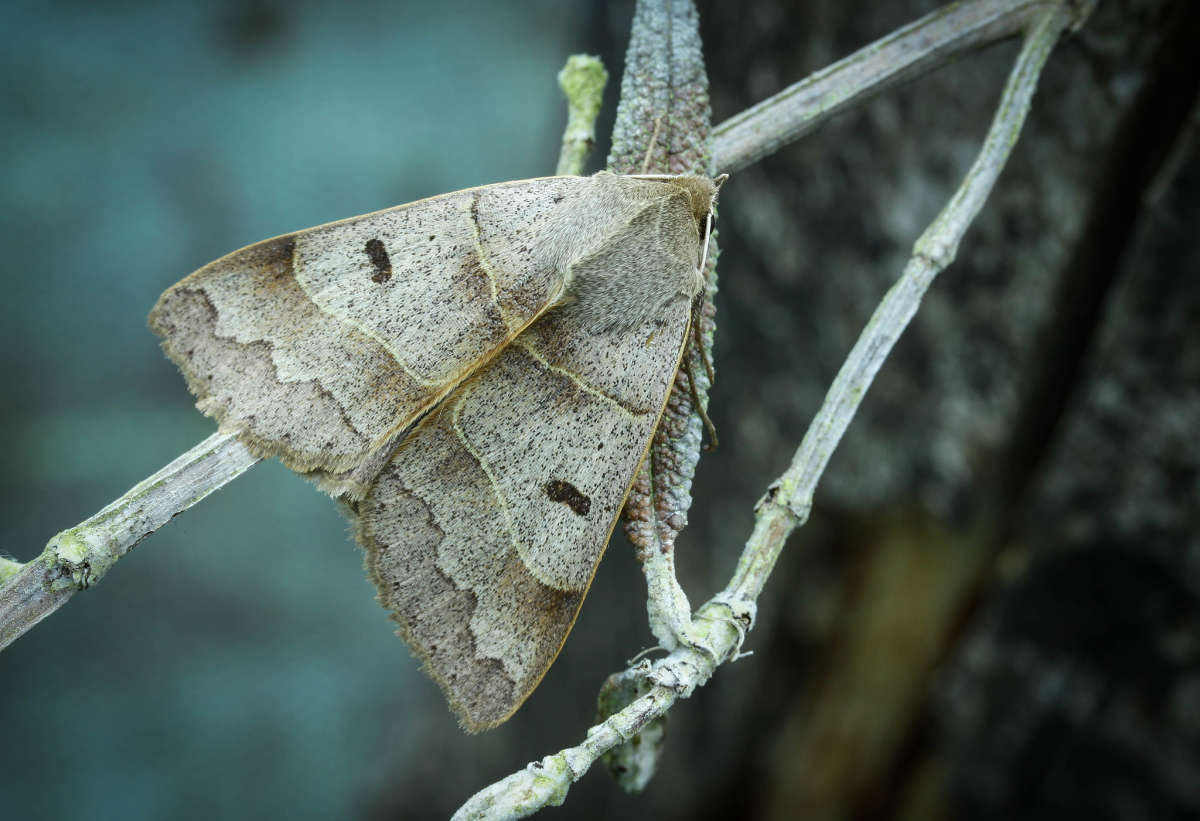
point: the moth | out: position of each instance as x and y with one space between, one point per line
477 377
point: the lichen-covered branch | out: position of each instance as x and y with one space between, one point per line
582 81
662 126
545 783
79 557
925 44
719 626
8 569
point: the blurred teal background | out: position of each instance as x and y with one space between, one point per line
236 665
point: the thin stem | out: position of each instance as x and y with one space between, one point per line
925 44
8 569
79 557
789 500
582 80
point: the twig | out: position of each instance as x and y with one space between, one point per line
8 569
722 621
920 46
582 80
78 558
789 499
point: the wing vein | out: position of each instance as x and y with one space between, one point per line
575 379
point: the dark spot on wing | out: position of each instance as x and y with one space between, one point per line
379 261
559 491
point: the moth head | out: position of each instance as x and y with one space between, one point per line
702 194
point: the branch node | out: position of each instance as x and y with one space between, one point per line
72 561
741 616
779 498
678 674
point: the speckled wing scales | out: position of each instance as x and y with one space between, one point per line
478 376
319 347
484 530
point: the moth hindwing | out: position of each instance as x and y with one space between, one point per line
478 376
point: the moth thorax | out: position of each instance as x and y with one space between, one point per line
701 193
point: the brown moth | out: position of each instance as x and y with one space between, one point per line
477 376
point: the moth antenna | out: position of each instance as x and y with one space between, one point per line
708 424
707 238
650 147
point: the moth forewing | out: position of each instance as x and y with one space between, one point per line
528 333
316 346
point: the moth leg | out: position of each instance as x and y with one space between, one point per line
713 441
708 368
